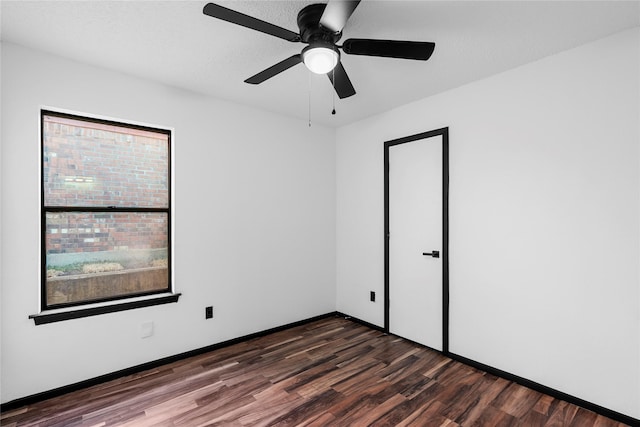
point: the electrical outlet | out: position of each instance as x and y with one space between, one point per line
208 312
372 296
146 329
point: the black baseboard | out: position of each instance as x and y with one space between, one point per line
547 390
38 397
362 322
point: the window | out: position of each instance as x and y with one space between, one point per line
106 210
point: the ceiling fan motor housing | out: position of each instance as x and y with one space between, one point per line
310 29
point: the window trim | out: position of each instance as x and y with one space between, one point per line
51 316
64 311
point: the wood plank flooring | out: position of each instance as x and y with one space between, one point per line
332 372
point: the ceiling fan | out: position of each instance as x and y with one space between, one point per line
321 28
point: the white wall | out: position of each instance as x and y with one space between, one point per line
254 223
544 218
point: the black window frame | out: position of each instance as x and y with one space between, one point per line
64 311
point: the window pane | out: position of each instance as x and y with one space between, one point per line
104 255
98 164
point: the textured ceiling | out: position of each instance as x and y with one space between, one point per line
173 42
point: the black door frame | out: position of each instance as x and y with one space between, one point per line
444 132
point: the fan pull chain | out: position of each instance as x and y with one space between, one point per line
334 90
309 99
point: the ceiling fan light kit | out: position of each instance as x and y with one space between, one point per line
320 59
320 26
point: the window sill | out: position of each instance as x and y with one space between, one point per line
68 314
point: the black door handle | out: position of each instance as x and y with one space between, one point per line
435 254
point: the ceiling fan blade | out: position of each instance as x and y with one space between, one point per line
337 13
340 81
389 48
275 69
238 18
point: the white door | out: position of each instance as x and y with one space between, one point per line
415 229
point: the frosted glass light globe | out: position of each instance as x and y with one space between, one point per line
320 60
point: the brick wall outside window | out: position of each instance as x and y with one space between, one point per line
92 164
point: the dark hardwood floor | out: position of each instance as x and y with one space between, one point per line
331 372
